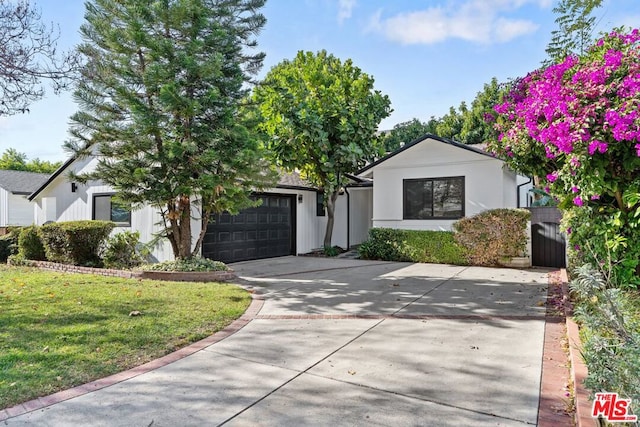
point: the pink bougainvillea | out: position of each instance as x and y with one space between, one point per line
576 124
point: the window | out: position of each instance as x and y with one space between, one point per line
104 208
320 211
431 198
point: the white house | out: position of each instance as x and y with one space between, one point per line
427 184
15 186
431 182
290 220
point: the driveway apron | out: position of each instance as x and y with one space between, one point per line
349 342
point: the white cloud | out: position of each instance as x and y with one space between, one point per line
345 9
477 21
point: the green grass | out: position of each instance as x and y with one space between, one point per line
60 330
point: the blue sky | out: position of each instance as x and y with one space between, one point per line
426 55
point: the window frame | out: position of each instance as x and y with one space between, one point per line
320 209
110 195
405 213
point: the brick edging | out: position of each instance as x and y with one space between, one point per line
61 396
554 379
579 371
179 276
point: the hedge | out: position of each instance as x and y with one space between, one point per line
75 242
30 244
430 246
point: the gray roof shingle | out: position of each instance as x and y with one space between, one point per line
20 182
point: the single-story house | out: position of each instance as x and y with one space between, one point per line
426 184
15 187
431 182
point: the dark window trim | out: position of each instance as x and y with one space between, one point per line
93 209
320 210
432 218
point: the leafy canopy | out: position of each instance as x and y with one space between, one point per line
160 105
321 115
12 159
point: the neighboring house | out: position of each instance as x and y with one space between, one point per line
15 186
427 184
431 182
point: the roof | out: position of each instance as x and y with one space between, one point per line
21 182
418 141
293 180
290 180
49 179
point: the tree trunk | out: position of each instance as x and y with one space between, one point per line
331 208
184 245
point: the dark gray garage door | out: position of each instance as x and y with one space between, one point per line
262 232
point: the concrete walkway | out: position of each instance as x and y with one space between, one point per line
348 342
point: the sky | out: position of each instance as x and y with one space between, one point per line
426 55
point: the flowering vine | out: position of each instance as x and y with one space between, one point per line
576 124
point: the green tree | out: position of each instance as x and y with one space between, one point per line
405 132
478 122
28 56
322 115
12 159
159 105
575 29
450 125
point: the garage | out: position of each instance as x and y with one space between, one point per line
265 231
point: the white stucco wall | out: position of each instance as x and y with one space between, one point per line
361 214
487 184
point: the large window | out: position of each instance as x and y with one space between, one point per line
105 208
431 198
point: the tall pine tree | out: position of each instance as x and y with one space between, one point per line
160 105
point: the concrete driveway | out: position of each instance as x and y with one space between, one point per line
348 342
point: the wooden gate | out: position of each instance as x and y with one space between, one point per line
548 245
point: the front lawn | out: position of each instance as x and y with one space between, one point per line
60 330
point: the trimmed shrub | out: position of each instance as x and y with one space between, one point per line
438 247
121 251
386 244
493 235
30 245
75 242
8 245
390 244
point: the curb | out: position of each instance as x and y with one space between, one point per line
61 396
579 371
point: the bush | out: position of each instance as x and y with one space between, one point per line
9 243
390 244
493 235
190 264
438 247
332 251
75 242
30 245
121 251
387 244
606 238
610 332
